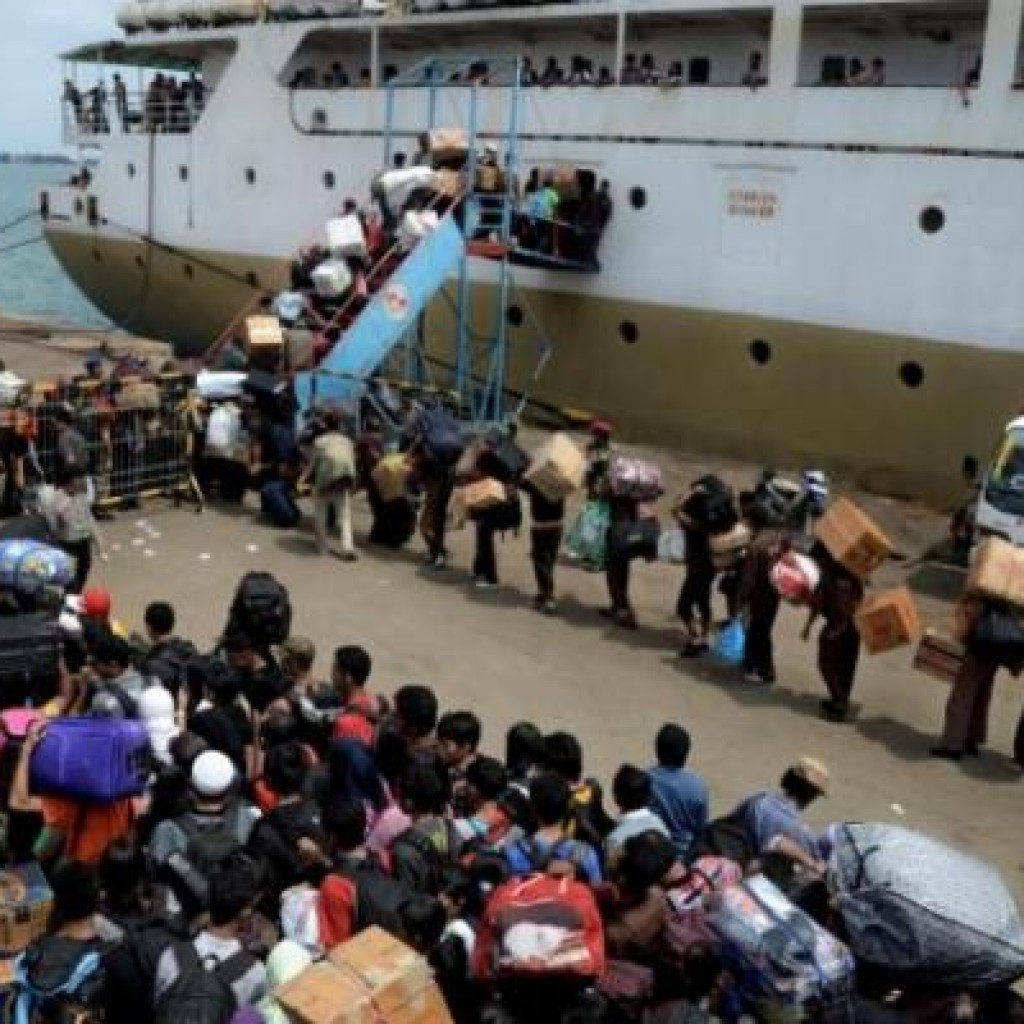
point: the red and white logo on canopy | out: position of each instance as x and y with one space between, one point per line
396 301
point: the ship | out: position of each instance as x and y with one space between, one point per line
813 255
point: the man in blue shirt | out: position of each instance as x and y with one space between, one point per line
679 797
549 850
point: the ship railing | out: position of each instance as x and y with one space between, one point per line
137 113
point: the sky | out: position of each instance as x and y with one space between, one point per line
34 33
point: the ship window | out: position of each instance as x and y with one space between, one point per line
911 374
328 179
79 207
131 170
833 70
628 332
638 198
183 172
932 220
761 351
250 175
140 263
188 271
514 315
699 71
97 255
319 119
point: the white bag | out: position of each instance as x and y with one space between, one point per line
224 431
10 386
332 279
345 236
414 226
213 384
298 917
672 546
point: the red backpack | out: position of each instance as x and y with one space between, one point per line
541 927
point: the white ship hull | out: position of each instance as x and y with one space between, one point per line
775 294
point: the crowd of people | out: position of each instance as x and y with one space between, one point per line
168 104
284 812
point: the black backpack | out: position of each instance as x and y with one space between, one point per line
131 968
56 979
262 609
379 897
426 864
202 993
441 436
212 841
168 662
728 836
712 505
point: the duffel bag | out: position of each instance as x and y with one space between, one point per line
777 953
95 760
506 515
634 540
29 566
795 577
441 436
710 505
634 478
502 458
278 506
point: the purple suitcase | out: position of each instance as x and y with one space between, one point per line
94 760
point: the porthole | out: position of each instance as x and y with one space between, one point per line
131 170
183 172
252 279
638 198
628 332
250 175
97 255
79 207
912 374
329 179
932 220
514 315
140 263
761 351
319 119
188 271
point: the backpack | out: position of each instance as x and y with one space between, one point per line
441 436
711 504
588 820
131 971
262 609
54 981
202 993
169 662
728 837
432 858
379 897
540 859
540 927
211 842
779 502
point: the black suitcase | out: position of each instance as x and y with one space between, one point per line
30 647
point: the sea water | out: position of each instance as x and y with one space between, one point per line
32 282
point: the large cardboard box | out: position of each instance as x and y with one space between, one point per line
323 994
390 476
448 144
476 497
997 571
558 468
263 330
888 620
396 979
852 538
449 183
25 903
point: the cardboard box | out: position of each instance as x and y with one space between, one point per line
490 179
448 144
323 994
558 468
887 620
263 330
477 497
852 538
395 978
939 656
390 476
997 571
565 182
391 971
25 903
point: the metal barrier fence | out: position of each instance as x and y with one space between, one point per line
139 431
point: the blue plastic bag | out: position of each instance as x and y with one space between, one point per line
730 643
588 539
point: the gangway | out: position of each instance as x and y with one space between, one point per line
369 328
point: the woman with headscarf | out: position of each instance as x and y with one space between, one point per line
287 960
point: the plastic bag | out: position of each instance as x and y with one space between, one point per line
730 642
588 539
672 547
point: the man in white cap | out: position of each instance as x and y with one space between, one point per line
218 824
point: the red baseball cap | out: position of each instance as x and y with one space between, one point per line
94 603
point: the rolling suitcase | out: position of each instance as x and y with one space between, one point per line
30 647
94 760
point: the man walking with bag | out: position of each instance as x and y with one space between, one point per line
333 472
